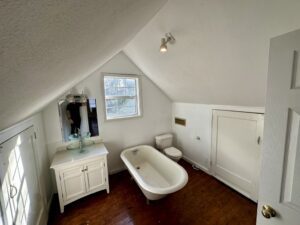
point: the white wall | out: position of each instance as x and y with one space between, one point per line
48 46
118 134
221 50
198 123
40 151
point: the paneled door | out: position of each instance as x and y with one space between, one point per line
73 182
279 196
95 176
21 196
236 144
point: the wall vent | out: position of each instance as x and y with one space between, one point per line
180 121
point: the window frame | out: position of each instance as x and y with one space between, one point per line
138 95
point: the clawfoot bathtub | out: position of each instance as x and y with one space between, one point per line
155 174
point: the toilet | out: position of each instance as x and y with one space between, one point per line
164 144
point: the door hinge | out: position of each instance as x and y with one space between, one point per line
59 177
34 135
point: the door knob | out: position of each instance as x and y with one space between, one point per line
13 191
268 212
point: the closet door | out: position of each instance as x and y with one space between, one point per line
21 197
236 143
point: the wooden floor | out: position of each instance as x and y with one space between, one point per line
204 200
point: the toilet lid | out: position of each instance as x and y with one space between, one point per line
173 152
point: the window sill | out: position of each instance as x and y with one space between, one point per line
123 118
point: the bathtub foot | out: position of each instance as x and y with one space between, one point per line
147 201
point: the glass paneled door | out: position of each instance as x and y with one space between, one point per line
21 199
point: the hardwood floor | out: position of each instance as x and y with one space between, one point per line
203 201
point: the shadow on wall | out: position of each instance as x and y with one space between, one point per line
117 134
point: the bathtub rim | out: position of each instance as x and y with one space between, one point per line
156 190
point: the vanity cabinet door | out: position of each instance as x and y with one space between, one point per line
95 175
73 182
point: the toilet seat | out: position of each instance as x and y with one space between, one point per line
173 152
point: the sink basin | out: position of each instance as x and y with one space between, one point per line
75 145
83 150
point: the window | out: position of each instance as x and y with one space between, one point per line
121 95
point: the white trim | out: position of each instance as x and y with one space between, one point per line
250 116
15 129
238 108
236 188
118 170
138 95
190 161
50 201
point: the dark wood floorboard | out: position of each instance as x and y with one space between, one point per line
203 201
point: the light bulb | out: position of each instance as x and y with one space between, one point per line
163 47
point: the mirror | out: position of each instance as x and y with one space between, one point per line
78 116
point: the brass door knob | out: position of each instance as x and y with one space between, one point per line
268 212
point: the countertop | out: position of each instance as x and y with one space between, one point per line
68 157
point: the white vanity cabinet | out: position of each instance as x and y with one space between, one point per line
80 174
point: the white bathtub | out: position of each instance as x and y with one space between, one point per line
155 174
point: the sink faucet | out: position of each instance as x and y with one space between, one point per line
80 139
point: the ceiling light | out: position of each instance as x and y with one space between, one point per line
168 39
163 46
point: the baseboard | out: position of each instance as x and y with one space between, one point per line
190 161
118 170
50 201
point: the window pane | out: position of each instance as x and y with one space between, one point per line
127 107
121 97
127 111
110 82
129 103
130 82
121 91
121 82
111 103
130 91
121 107
112 111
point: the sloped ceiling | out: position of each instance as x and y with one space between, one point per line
221 50
48 46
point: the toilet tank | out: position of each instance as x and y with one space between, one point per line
163 141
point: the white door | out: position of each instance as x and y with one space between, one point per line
95 177
280 173
21 196
236 141
73 183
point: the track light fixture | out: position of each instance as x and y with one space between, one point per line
168 39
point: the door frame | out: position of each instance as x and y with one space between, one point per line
9 133
213 152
